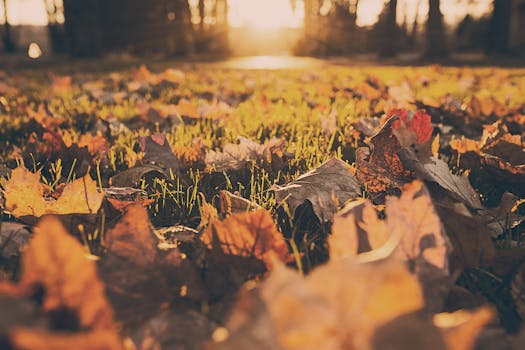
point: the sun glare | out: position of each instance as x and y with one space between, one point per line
264 14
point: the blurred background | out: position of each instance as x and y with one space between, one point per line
426 29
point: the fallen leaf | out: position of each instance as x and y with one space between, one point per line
470 239
24 196
121 198
357 228
378 166
252 234
27 339
327 188
461 328
97 145
157 151
132 237
236 156
437 170
132 177
56 261
339 305
230 203
13 239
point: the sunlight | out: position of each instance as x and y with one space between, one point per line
265 14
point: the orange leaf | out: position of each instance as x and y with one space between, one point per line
248 234
132 237
26 339
96 145
461 328
338 306
55 260
358 230
24 196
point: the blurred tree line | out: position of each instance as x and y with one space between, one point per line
179 27
174 27
330 28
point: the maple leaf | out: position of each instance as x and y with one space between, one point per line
252 234
24 196
326 187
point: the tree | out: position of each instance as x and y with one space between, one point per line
9 46
390 34
202 14
499 27
435 31
55 26
83 28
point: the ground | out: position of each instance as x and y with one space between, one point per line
214 201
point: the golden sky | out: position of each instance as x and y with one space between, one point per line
273 13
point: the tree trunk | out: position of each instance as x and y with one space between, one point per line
9 46
202 14
390 37
83 28
435 35
185 32
499 27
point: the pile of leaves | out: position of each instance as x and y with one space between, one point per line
209 209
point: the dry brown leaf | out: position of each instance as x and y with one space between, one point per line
236 156
326 187
23 193
252 234
24 196
470 238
